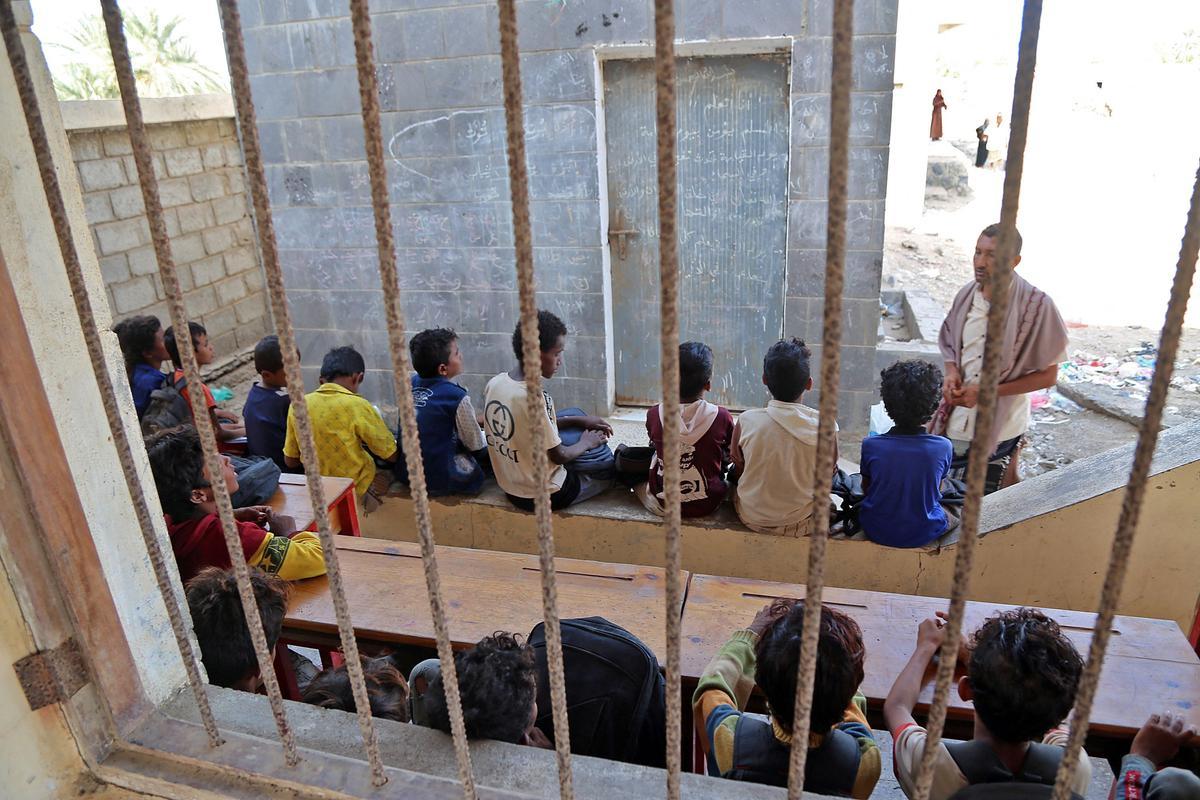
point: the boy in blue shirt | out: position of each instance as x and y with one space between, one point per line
142 344
452 443
266 410
903 469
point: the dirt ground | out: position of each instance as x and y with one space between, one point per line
936 257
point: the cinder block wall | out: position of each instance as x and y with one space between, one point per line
199 166
443 124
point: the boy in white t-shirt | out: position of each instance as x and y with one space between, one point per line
1022 674
510 434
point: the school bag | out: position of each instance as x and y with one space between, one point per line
759 757
991 780
616 696
168 408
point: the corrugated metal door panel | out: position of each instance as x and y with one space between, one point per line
733 164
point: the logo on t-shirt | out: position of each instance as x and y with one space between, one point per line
501 427
421 396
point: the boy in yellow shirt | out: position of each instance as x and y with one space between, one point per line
346 427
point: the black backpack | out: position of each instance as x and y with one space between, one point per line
991 780
616 696
168 408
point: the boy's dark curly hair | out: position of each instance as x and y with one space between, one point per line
430 349
220 625
341 362
786 370
195 329
268 357
695 369
497 680
136 337
387 690
550 327
1024 673
177 463
840 656
911 391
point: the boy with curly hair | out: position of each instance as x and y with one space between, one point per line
843 758
220 625
903 469
387 691
1022 675
143 345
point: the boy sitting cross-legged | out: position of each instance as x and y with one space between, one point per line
1022 674
266 409
774 449
903 469
843 758
142 344
185 491
452 442
705 431
510 431
345 427
226 648
226 423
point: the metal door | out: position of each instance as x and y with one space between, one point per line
733 163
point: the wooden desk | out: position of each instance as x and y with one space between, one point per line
484 592
1150 665
291 498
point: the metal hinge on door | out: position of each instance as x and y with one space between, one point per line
620 232
52 676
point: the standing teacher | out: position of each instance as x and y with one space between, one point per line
1034 344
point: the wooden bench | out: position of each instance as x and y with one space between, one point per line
1150 666
483 591
291 499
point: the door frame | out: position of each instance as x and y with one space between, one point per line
641 51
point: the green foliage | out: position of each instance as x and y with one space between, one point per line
164 64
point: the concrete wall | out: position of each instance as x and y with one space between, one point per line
444 129
199 163
31 252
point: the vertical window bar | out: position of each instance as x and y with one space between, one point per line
401 369
988 390
518 173
831 362
180 623
204 425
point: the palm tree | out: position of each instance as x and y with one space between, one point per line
164 64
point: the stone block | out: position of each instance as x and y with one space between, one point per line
267 50
249 332
870 118
229 209
422 35
806 224
208 185
213 156
126 202
208 270
388 35
565 224
864 224
806 273
230 290
250 308
584 358
462 82
218 323
225 342
763 18
188 247
274 96
174 192
867 176
810 120
559 176
116 143
476 225
218 240
114 268
195 217
556 129
98 208
270 142
123 236
166 136
302 140
870 17
320 45
343 138
555 77
203 131
235 181
470 31
171 221
812 65
239 260
314 9
407 88
860 321
546 27
201 301
255 278
86 145
698 19
809 179
181 162
327 93
101 174
874 63
415 134
133 295
144 261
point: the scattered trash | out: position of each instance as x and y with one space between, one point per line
222 393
